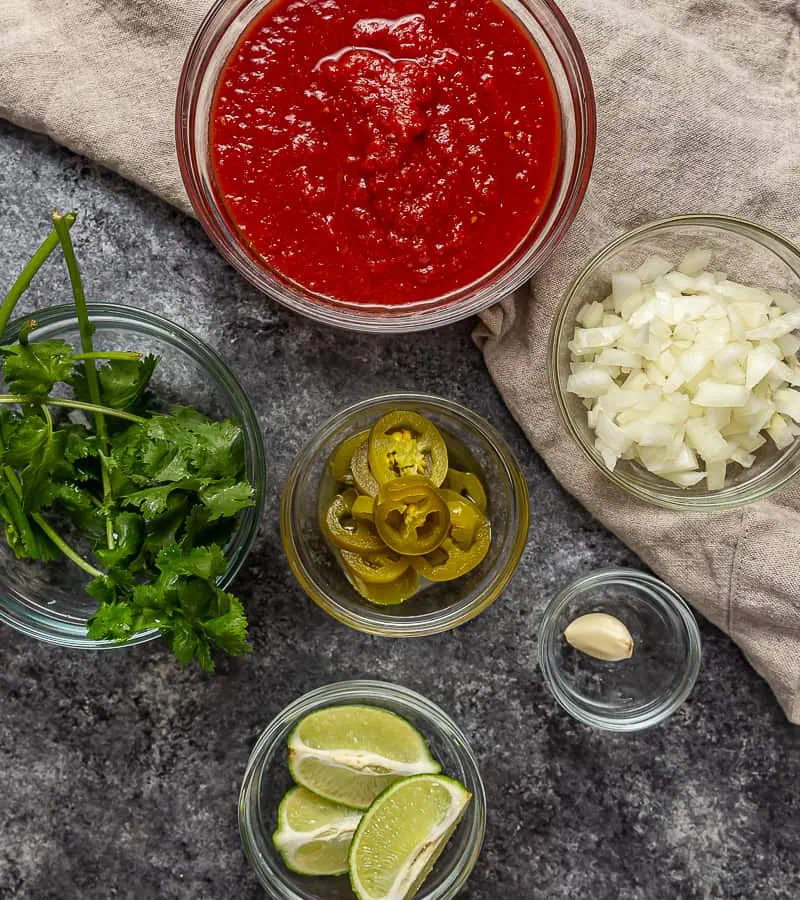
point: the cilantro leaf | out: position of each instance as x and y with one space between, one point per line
216 449
164 531
123 383
35 368
23 438
151 596
129 530
228 631
153 501
188 415
112 621
227 498
25 538
148 454
82 508
196 598
203 656
202 562
184 642
200 532
80 445
166 449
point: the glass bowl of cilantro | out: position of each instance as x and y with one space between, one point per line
132 476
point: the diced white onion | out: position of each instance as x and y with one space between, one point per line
682 369
787 402
717 393
590 383
623 285
694 262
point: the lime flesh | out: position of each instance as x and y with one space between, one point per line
403 834
314 834
351 754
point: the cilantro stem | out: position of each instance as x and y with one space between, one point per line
86 330
48 419
26 276
23 400
54 536
109 354
65 548
94 408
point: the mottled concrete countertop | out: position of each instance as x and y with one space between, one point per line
119 772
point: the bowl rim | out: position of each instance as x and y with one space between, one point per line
362 691
735 496
638 581
372 621
38 626
438 311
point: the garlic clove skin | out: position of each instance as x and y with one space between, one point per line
600 636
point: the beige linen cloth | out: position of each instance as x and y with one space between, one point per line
699 110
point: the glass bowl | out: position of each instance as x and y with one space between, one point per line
547 28
438 607
267 779
48 602
748 253
635 693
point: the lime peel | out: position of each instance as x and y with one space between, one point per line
351 754
377 837
322 847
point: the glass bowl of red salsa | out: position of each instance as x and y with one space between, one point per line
385 165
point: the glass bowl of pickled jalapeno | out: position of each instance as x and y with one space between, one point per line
404 515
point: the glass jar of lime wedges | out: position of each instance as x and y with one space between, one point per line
359 788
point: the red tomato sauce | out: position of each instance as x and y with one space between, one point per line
384 151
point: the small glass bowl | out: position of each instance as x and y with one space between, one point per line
267 779
439 607
48 602
635 693
748 253
548 29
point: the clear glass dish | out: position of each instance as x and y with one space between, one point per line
548 29
48 602
438 607
749 254
635 693
267 779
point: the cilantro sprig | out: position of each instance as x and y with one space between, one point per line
141 500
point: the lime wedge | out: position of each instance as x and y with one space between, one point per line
313 834
402 835
351 754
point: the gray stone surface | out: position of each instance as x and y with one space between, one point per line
119 771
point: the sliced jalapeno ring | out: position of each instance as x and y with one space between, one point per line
411 516
382 567
339 463
364 508
465 517
347 532
392 594
404 443
450 561
362 475
469 486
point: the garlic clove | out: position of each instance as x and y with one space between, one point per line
601 636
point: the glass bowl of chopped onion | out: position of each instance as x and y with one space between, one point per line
674 362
